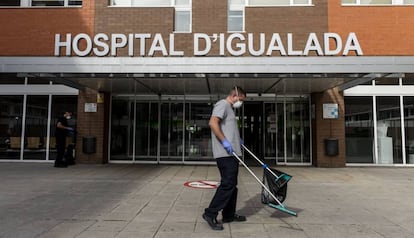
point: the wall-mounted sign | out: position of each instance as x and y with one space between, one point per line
236 44
330 111
91 107
100 98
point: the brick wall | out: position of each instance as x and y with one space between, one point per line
297 20
381 30
92 124
328 128
31 31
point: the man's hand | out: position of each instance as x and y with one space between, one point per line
227 146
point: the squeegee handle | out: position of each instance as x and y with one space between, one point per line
258 160
258 180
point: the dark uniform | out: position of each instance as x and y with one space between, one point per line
61 135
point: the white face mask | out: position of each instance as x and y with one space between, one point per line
237 104
68 117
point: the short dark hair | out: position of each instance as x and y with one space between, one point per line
237 90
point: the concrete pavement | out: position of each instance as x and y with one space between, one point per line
38 200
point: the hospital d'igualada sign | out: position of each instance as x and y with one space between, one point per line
235 44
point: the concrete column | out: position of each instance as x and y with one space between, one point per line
328 128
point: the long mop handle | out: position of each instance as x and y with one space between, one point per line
258 160
258 180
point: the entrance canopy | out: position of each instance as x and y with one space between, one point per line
209 75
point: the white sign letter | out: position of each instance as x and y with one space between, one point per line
352 44
115 44
142 38
172 48
59 44
338 41
261 50
158 45
75 44
290 46
241 46
207 40
276 44
102 44
313 44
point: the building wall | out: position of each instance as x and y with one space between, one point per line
31 31
328 129
92 124
297 20
381 30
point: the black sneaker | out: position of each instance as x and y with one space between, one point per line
236 217
213 223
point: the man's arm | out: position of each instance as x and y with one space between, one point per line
61 126
215 127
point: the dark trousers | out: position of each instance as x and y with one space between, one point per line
60 149
225 197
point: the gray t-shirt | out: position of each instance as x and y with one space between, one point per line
228 124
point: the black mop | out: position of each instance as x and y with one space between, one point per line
274 180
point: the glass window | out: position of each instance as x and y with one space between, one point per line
146 138
183 21
297 132
38 81
198 133
389 130
359 130
171 146
377 2
235 21
75 3
409 128
373 2
236 2
301 2
56 3
121 2
387 81
122 128
182 3
48 3
11 79
408 79
10 3
11 111
36 127
142 3
269 2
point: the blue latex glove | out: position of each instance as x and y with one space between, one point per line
227 146
241 141
70 129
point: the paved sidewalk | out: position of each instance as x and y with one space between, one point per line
38 200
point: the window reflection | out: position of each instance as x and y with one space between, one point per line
11 110
389 130
409 129
359 130
36 127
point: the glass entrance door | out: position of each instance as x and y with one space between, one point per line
198 133
278 132
177 131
